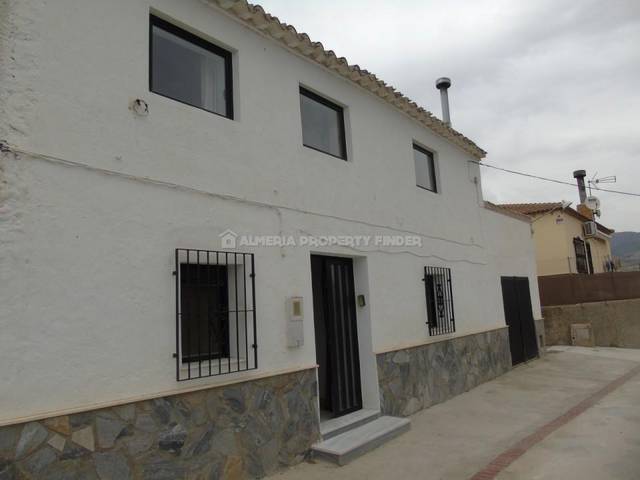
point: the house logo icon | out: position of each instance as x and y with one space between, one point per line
228 239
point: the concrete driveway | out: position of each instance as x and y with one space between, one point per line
575 413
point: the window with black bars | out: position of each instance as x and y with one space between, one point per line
439 297
215 313
581 255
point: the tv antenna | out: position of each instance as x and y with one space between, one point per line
594 181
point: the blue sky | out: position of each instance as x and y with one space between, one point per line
546 87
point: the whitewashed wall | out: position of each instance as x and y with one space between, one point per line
512 253
86 257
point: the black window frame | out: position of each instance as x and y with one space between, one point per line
432 168
341 123
239 305
589 257
439 300
155 21
191 284
580 250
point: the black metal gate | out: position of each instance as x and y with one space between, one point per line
336 334
519 317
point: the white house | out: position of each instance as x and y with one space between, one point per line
217 238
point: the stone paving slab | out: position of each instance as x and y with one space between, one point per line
603 443
458 438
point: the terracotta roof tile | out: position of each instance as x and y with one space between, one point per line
546 207
506 211
531 208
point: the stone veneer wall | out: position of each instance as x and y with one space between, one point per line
246 430
419 377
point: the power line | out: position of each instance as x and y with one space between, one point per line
537 177
6 147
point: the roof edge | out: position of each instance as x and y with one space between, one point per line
554 206
509 213
256 18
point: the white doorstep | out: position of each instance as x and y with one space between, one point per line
355 442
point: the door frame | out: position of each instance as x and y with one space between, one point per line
333 290
522 330
368 365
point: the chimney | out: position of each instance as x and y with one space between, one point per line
443 85
579 176
582 208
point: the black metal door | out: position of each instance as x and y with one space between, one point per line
336 334
519 317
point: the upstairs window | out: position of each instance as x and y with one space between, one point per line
425 168
188 69
322 124
589 257
581 255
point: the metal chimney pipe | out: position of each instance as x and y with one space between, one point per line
443 85
579 176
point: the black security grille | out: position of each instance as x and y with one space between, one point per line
439 296
215 313
581 255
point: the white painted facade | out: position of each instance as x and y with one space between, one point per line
90 218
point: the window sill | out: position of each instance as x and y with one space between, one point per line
427 189
219 366
191 105
326 153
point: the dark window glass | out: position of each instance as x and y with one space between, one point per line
425 168
581 255
589 257
204 303
189 69
439 295
322 124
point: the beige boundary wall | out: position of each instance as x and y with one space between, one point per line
614 324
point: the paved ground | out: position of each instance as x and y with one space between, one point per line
571 414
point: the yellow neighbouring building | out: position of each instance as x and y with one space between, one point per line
568 240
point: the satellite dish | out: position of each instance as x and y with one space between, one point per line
594 204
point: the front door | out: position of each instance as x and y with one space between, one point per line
519 317
336 335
